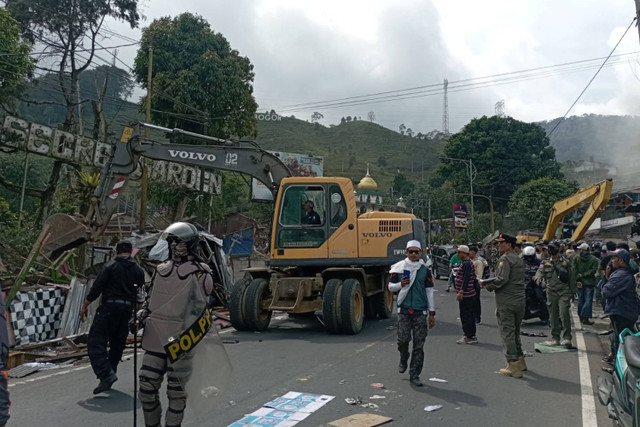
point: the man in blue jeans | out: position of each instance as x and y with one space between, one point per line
585 266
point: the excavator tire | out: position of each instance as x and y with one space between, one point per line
255 317
352 306
236 304
331 306
384 303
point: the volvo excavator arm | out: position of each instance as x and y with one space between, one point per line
597 195
244 157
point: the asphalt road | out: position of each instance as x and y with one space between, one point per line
298 355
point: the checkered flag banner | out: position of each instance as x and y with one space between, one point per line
35 315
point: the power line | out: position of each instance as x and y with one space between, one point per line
435 88
592 78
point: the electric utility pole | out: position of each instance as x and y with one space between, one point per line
144 182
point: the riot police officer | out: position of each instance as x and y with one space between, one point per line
177 304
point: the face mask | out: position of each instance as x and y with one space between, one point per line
584 254
179 250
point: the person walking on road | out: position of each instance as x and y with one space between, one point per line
416 311
177 302
585 267
622 304
117 283
466 294
556 273
510 304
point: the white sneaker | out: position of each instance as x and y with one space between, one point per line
566 343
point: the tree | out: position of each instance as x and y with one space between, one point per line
402 128
69 33
410 133
200 83
316 117
16 63
505 153
371 116
348 119
534 199
402 185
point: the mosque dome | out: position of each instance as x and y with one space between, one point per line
367 183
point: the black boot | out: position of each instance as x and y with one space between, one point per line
106 383
402 367
416 381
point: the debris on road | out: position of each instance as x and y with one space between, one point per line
352 401
377 385
438 380
533 334
361 420
432 408
377 396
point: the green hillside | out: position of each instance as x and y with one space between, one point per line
348 148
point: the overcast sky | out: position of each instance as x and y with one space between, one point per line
310 52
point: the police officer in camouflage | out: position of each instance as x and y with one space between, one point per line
555 271
508 285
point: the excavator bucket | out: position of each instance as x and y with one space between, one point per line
66 232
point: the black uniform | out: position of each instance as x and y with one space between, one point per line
110 325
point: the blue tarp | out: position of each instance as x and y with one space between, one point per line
239 243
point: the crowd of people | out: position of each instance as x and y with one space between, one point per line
529 279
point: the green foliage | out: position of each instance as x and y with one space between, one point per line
402 185
505 152
16 63
199 83
46 88
534 199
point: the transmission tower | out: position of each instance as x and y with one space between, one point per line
500 108
445 109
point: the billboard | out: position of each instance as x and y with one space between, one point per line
460 216
298 164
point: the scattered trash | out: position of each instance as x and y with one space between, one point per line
438 380
369 405
232 403
528 353
533 334
390 328
230 341
352 401
342 381
432 408
377 396
377 385
371 375
370 420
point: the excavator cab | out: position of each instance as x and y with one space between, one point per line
311 214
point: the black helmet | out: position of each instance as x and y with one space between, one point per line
184 231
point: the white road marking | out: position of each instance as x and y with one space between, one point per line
80 368
589 418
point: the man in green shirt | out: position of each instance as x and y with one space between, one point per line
585 267
454 263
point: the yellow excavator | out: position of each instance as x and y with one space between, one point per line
596 195
324 257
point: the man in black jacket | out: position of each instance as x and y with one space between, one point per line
117 283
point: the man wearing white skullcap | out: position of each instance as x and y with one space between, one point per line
416 312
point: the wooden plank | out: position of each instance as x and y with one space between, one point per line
361 420
35 249
71 344
47 343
